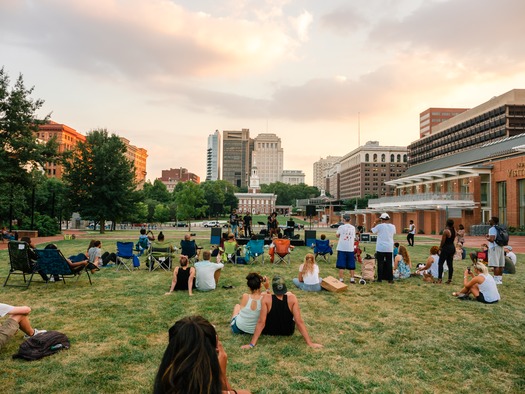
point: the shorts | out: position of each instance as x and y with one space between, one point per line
233 326
7 330
345 260
496 256
481 298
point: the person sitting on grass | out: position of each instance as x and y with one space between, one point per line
402 264
308 279
194 361
510 260
482 285
483 254
18 318
246 313
280 313
430 269
183 277
207 273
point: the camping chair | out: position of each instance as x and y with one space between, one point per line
125 256
53 263
322 250
254 251
282 250
163 256
189 248
20 263
230 252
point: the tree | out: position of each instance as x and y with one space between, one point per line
157 191
20 152
101 179
161 214
287 194
190 201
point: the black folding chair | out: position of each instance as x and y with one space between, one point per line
20 263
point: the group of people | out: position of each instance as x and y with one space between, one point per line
240 226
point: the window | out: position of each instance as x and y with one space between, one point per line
392 158
367 157
398 158
404 158
502 202
375 158
383 158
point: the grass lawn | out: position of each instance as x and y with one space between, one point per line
409 337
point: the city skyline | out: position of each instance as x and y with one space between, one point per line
166 74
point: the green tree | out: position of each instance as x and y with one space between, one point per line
101 179
161 214
190 201
20 152
157 191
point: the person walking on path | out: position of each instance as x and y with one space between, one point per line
411 233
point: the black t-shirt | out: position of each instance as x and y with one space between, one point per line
233 218
247 220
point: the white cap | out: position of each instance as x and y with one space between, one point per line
384 216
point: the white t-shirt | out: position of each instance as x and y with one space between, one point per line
412 228
385 237
346 234
512 257
204 275
311 278
5 309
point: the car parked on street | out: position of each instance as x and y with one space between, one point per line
214 223
336 225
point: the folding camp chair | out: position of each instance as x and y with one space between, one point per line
230 252
254 251
282 250
20 263
189 248
52 262
163 256
322 250
125 256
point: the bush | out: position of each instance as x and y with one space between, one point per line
46 225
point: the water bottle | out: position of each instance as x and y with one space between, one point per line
56 347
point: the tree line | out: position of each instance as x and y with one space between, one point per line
98 181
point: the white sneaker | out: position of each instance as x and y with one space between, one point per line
36 332
341 280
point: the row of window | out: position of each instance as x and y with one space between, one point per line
393 158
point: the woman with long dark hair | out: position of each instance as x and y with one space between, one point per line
447 249
194 361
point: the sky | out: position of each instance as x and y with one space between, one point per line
325 76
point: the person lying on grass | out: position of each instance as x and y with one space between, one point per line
246 313
183 277
280 313
194 361
482 285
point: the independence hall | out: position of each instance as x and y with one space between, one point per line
469 168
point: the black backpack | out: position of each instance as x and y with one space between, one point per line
42 345
502 237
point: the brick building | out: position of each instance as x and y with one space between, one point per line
175 175
471 169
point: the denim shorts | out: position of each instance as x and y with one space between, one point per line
233 326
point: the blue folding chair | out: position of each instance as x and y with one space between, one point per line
322 249
254 251
189 248
125 257
53 263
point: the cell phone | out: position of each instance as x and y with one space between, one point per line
468 269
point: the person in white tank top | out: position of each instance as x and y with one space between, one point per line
480 284
430 270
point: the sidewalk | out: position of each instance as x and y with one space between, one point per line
517 242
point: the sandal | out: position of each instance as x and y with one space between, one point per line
438 282
448 281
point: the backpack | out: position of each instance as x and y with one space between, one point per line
42 345
502 237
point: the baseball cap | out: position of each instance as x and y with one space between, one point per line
346 217
509 247
279 285
384 216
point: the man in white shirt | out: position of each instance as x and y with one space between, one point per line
207 273
384 247
345 249
411 233
18 318
510 254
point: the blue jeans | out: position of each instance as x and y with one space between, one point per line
305 287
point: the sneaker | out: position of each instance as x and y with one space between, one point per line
52 279
341 280
352 281
36 332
